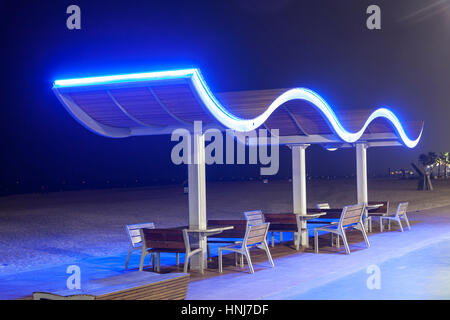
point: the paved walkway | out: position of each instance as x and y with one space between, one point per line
413 264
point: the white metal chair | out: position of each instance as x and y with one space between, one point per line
255 235
400 213
135 238
351 217
168 240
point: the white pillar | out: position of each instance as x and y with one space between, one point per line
197 193
299 187
361 176
361 172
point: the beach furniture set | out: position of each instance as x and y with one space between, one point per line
239 236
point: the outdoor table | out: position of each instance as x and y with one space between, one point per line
204 233
302 225
303 218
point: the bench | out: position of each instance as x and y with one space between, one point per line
173 240
238 232
129 286
234 235
281 222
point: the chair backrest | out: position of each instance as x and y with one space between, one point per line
351 214
164 239
402 208
254 217
134 233
256 234
323 206
384 209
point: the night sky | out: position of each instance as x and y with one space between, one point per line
238 45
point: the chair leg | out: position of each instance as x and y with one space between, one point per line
141 265
332 239
158 266
365 236
316 241
269 256
344 240
220 260
400 224
249 261
273 240
298 237
338 242
381 224
407 221
281 237
178 259
208 253
242 261
370 224
186 262
153 261
128 257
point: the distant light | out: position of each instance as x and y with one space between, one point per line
331 149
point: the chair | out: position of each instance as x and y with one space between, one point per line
135 237
323 206
168 240
351 217
256 235
400 213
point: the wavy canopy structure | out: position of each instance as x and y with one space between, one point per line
158 102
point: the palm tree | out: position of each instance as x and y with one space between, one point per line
426 161
444 156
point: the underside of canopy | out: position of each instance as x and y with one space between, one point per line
156 103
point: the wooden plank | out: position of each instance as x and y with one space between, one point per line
126 285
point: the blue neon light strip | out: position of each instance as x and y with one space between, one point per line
132 77
243 125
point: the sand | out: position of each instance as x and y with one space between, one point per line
41 230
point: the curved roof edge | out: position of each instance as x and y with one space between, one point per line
214 107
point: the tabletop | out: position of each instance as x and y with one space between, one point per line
211 230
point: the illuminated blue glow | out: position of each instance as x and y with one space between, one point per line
243 125
132 77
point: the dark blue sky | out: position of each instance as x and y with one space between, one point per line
238 45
